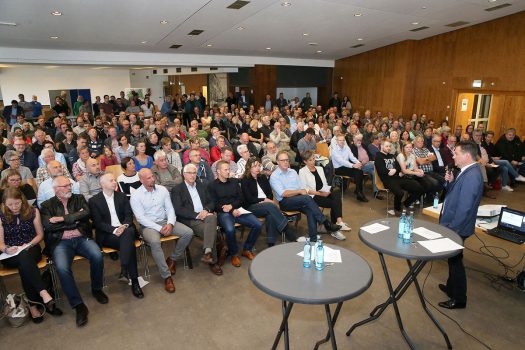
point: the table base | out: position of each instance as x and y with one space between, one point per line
395 295
330 320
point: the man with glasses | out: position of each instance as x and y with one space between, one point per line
292 195
204 173
65 218
12 158
46 190
27 158
194 208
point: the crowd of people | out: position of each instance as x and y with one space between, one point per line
188 168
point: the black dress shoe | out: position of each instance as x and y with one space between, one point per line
38 319
136 290
100 296
82 314
113 256
361 197
331 227
378 196
52 308
452 304
444 289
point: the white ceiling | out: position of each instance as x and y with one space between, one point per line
102 25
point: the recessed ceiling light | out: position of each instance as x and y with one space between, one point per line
53 37
415 23
313 44
97 68
56 13
240 28
423 7
358 14
286 4
268 48
493 0
163 22
12 24
209 45
305 34
319 51
144 42
359 39
51 67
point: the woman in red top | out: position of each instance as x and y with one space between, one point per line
107 159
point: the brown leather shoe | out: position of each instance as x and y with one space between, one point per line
207 258
172 265
169 285
222 256
236 261
489 194
248 254
216 269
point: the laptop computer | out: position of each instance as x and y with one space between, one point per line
511 226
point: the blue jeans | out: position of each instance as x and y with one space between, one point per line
227 222
63 256
368 168
305 204
506 170
274 219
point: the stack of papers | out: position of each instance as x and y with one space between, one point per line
330 255
426 233
375 228
440 245
20 249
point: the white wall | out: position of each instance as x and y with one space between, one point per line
37 80
300 92
144 78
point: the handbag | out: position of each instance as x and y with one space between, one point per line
16 310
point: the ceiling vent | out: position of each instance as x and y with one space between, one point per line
214 68
238 5
456 24
193 69
178 70
418 29
497 7
154 71
195 32
175 46
165 71
356 46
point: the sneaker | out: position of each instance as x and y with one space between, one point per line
301 239
520 178
344 227
391 212
507 188
338 235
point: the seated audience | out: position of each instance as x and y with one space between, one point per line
79 168
172 157
362 155
46 189
125 149
94 144
11 179
307 143
204 172
424 159
12 159
47 156
108 158
507 170
346 164
27 158
56 155
410 169
141 159
129 180
165 174
195 144
269 160
89 183
215 153
226 155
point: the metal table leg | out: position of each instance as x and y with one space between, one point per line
331 324
287 308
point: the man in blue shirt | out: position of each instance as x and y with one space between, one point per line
346 164
37 107
292 195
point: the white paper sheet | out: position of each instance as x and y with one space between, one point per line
6 256
426 233
375 228
243 211
440 245
325 188
142 282
330 255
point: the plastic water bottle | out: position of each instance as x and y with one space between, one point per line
402 224
306 251
436 201
314 249
407 236
319 256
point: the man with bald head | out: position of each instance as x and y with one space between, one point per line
113 220
154 211
45 189
89 183
68 233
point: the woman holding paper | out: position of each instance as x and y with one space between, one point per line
314 181
20 234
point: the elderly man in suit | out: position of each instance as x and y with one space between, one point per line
459 214
113 220
194 208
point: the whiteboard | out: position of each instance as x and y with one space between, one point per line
292 92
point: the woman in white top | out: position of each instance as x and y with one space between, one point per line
125 149
407 161
148 107
394 140
129 180
314 181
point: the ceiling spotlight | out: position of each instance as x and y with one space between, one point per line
53 37
240 28
56 13
423 7
493 0
319 51
415 23
358 14
359 39
313 44
12 24
286 4
144 42
163 22
305 34
209 45
268 48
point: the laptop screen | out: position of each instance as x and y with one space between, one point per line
513 220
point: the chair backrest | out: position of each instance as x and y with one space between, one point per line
379 184
322 150
116 170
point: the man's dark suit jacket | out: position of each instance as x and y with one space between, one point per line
30 161
462 201
183 204
101 216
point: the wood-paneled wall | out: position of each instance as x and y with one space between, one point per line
427 76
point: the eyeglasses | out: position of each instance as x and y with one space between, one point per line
191 172
283 160
14 159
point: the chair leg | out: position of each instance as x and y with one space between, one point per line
54 279
188 262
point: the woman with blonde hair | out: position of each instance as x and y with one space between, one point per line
12 179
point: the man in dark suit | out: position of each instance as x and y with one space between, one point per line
194 209
113 220
27 158
459 214
11 112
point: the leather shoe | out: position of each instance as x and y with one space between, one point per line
443 288
378 196
361 197
169 285
216 269
113 256
101 297
248 254
331 227
222 256
52 308
207 258
452 304
82 314
236 261
172 265
136 290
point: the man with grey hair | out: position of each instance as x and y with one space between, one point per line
226 155
195 209
244 155
47 155
45 189
89 183
13 160
154 211
166 174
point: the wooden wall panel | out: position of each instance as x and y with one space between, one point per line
426 76
264 81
